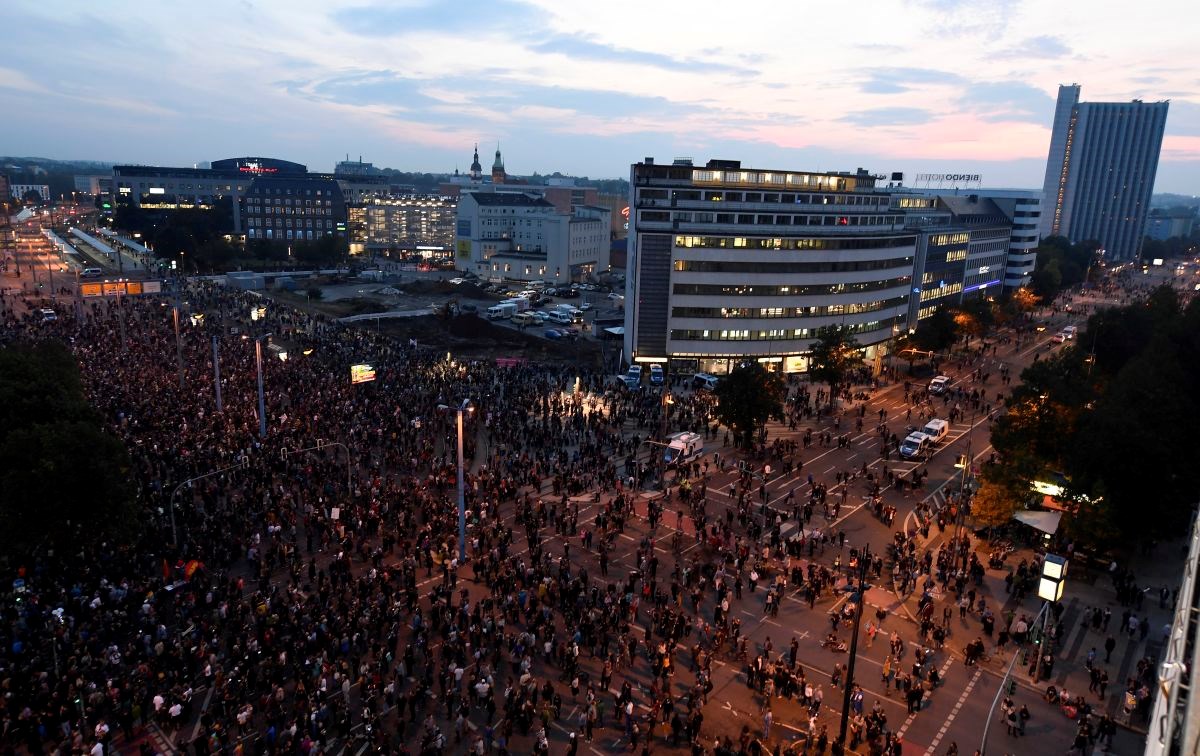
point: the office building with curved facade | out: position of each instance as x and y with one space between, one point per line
729 263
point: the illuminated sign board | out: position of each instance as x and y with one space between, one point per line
256 168
258 313
950 178
157 190
362 373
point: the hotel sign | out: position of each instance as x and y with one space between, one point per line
950 178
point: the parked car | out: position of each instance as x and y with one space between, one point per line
539 316
48 315
656 375
553 334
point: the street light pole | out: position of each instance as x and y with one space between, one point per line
321 445
462 505
864 560
960 515
178 342
1003 682
463 407
217 371
262 403
178 488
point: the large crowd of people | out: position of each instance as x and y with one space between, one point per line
283 598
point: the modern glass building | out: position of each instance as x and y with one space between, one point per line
1100 171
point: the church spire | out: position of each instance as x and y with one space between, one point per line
498 175
476 168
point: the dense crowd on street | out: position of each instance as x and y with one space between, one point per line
290 599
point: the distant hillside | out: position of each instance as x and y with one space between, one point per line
1174 200
59 175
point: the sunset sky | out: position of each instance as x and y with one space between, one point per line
588 88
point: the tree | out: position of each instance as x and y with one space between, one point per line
993 505
747 398
936 332
1024 299
63 478
835 355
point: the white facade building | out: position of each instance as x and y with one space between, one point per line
18 191
727 263
519 235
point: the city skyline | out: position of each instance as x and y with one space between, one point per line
917 86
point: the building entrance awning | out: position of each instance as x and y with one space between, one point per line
1047 522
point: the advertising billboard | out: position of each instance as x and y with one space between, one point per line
362 373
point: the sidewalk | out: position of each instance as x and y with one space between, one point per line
1084 590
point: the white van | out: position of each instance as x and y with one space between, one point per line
523 319
558 316
936 430
704 381
1070 331
914 444
939 385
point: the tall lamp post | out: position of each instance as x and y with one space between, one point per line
188 482
464 407
262 403
864 561
1050 590
964 463
178 341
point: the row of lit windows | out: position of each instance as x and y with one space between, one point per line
289 234
845 266
662 216
286 201
271 210
959 238
282 223
691 195
956 254
787 312
774 334
831 183
753 290
744 242
941 291
917 202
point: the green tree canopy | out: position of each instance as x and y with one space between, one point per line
1119 432
835 355
62 477
748 397
937 332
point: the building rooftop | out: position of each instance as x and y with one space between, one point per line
963 205
731 173
507 199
